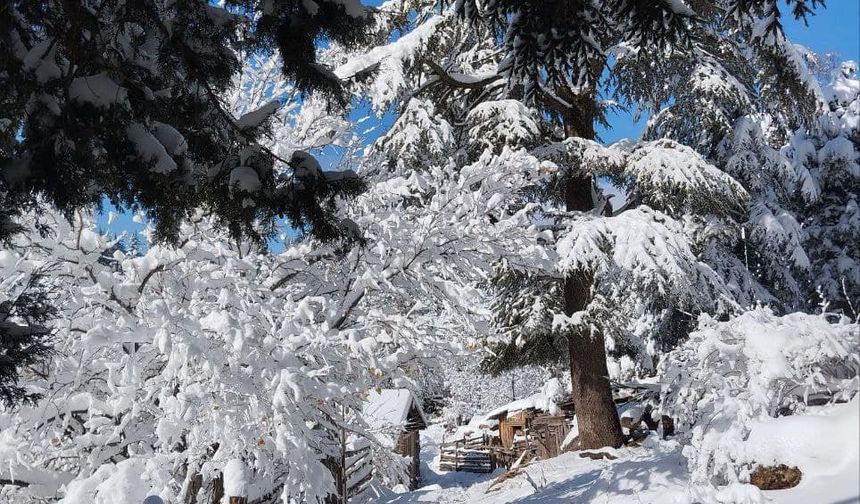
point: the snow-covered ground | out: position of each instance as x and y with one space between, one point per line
656 472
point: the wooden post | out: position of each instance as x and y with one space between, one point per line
238 500
344 491
456 455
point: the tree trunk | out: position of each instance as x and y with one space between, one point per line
597 417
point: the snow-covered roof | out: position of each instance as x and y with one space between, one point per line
391 407
545 400
535 401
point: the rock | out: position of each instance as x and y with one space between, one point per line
775 477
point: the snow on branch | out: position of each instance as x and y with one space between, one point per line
647 247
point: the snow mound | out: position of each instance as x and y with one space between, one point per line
790 440
740 393
235 479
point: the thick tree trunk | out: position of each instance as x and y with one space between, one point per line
597 417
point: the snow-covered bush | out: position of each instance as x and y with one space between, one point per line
731 375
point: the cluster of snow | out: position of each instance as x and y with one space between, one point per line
419 137
676 178
389 61
99 90
257 117
494 124
150 149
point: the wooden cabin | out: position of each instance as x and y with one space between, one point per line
396 412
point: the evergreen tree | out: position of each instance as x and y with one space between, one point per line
790 155
481 104
126 101
25 310
828 158
555 54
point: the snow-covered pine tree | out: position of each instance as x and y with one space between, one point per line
828 157
557 52
466 109
727 106
25 311
725 98
750 251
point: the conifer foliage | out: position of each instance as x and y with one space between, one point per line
124 100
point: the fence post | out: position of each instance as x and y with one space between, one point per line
456 456
238 500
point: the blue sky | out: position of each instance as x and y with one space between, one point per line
835 29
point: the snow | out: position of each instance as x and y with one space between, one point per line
735 377
841 150
226 353
388 407
845 86
256 117
648 247
674 176
244 178
656 472
42 59
652 474
99 90
170 138
150 149
235 480
824 445
390 60
494 124
680 7
127 482
305 166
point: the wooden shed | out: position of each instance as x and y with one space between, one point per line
396 412
530 424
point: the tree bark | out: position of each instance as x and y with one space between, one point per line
597 417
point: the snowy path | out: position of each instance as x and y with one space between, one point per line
438 485
639 475
655 473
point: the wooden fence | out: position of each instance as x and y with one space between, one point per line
474 454
352 471
481 454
